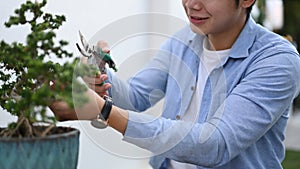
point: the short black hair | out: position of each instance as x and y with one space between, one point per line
249 9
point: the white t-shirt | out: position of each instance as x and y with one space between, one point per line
209 60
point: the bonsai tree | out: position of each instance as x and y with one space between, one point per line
29 80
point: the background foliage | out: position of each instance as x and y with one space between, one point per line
292 27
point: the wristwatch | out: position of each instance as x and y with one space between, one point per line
101 121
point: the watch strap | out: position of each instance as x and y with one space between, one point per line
106 108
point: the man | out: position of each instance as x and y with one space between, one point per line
228 85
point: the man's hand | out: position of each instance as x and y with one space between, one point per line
88 111
95 82
62 111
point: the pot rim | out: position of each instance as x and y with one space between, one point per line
73 132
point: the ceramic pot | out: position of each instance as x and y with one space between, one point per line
57 151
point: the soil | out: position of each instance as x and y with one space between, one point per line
37 131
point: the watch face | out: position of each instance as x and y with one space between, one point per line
98 123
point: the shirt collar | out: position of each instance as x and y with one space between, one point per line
244 42
240 48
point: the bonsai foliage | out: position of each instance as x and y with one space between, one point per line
29 80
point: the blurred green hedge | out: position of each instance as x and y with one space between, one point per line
292 27
292 160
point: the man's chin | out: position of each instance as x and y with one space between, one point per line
196 30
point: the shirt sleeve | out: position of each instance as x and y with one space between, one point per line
249 111
145 88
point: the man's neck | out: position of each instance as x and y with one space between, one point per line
225 40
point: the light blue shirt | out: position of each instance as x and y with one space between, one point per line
244 109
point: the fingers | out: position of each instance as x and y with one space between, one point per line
97 80
102 90
97 84
104 46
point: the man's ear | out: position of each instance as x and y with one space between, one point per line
247 3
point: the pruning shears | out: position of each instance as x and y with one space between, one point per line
95 55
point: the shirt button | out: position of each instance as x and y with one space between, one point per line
178 117
193 88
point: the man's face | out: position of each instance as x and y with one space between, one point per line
214 16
